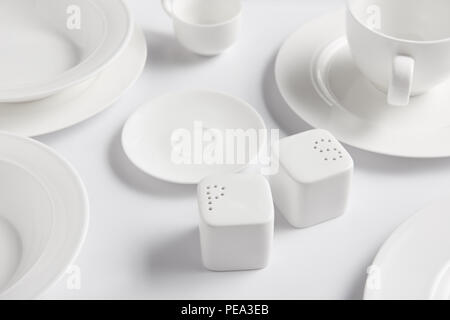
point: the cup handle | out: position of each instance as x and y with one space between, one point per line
401 81
167 6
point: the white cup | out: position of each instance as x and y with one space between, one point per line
401 46
206 27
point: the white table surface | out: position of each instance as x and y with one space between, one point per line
143 241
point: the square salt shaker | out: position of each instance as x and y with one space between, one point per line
314 179
236 221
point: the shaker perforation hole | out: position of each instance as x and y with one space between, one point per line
328 149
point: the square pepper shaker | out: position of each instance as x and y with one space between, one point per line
236 221
314 180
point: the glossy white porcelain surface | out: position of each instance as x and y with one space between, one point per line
81 102
43 216
27 210
319 81
11 252
148 135
381 31
206 27
57 44
236 221
314 181
161 219
413 263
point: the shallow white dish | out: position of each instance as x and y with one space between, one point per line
414 262
319 81
148 134
81 102
47 46
44 213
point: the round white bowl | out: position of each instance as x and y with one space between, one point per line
47 46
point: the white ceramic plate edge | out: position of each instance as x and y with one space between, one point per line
138 49
390 242
112 100
46 92
9 293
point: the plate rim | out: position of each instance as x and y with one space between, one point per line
137 45
405 226
63 81
14 290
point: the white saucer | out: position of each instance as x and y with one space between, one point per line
414 262
319 81
44 214
147 136
81 102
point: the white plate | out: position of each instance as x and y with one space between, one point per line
47 46
81 102
319 81
147 137
44 215
414 262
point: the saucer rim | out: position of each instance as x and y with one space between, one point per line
335 20
159 99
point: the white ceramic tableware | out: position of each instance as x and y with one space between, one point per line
413 264
185 137
26 221
317 77
43 216
314 180
79 103
47 46
236 222
206 27
402 47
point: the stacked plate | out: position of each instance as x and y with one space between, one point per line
67 61
62 62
